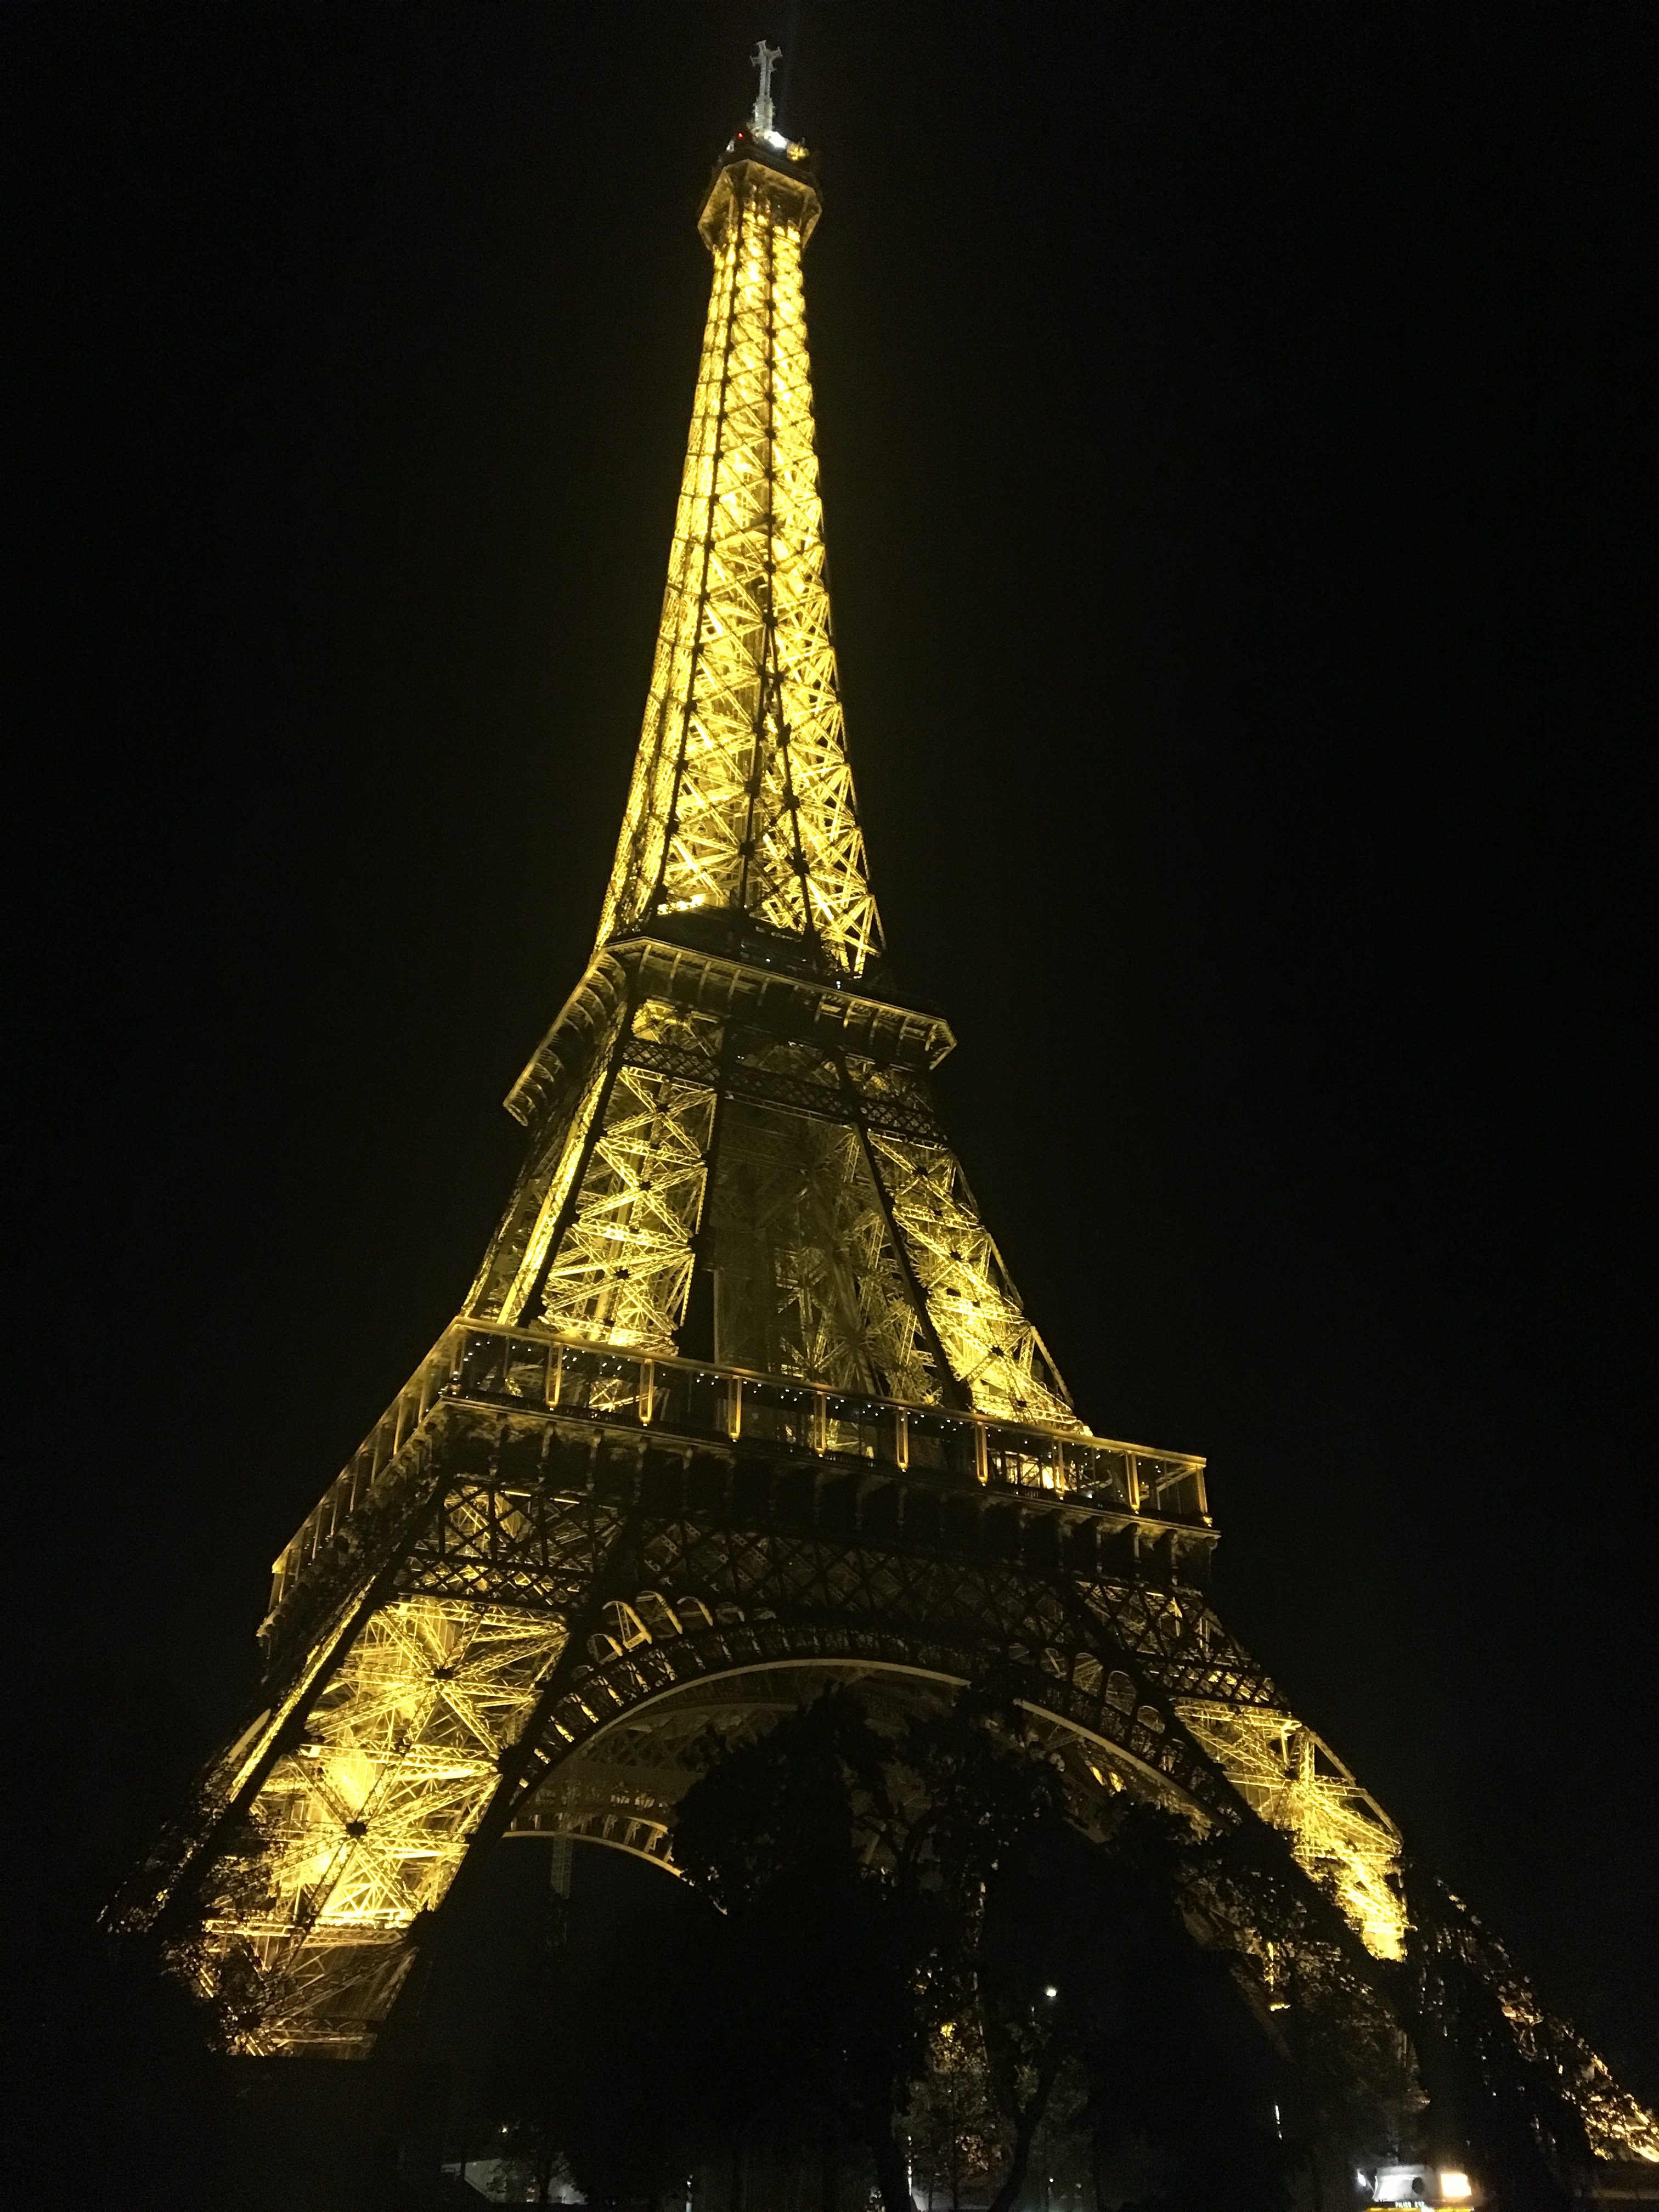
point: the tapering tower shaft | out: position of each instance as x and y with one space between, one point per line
742 797
724 1164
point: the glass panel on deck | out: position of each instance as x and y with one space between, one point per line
941 1445
854 1429
780 1414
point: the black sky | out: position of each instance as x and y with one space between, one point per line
1238 437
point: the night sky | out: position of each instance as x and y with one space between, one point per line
1238 448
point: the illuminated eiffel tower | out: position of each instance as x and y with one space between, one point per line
742 1400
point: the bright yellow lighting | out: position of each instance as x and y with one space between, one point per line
1455 2186
743 793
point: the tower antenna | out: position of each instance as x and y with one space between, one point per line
760 115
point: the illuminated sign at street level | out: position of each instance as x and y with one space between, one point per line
1418 2185
744 1392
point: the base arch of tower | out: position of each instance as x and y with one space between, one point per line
621 1784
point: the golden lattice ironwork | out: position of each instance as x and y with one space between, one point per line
362 1824
744 1399
807 1280
1338 1831
622 1267
742 795
993 1349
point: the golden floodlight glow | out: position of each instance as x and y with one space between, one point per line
881 1273
1338 1831
744 1399
742 793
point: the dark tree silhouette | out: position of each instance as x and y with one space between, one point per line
1488 2095
619 2054
1183 2075
781 1833
1351 2093
882 1889
894 1937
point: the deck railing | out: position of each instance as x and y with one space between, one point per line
481 1363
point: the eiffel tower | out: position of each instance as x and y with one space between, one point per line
742 1400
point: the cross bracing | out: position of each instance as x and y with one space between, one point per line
811 1184
613 1545
1338 1831
362 1819
743 794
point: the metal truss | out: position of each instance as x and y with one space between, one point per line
1620 2127
610 1252
807 1282
622 1785
622 1572
1183 1642
595 1564
742 794
993 1349
360 1825
477 1401
843 1245
1338 1831
544 1200
821 1611
623 1266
